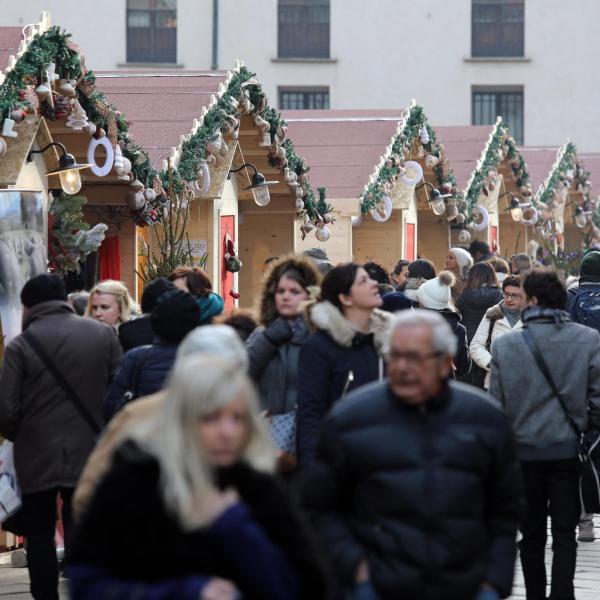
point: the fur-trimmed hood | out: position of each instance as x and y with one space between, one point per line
325 316
266 302
494 313
411 285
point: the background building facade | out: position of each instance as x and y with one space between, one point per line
466 61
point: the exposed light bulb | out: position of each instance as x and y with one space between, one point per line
70 181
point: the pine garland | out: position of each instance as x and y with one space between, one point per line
502 146
414 122
54 46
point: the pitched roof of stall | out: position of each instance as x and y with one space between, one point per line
161 106
463 146
591 163
10 38
342 147
540 161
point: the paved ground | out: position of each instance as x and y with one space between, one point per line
14 583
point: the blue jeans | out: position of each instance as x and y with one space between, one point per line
362 591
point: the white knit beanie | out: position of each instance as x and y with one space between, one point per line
436 294
464 260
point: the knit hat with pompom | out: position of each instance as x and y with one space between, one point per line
435 294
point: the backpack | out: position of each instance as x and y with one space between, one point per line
584 307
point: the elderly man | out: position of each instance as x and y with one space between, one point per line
416 487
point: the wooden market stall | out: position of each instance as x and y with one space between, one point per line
499 175
342 147
203 125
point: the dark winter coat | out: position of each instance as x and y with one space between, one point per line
143 372
462 360
274 354
429 495
335 360
52 440
472 305
136 332
260 544
572 352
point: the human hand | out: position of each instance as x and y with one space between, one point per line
362 572
219 589
219 502
279 331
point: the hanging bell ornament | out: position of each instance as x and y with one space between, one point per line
323 234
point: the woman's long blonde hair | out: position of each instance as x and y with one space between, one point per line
199 386
127 305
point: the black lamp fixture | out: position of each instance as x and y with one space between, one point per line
68 168
515 207
438 206
258 185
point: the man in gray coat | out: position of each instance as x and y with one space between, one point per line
547 444
52 438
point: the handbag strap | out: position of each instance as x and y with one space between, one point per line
541 363
488 342
62 382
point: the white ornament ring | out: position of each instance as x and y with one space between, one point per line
104 170
485 218
533 219
204 172
387 203
411 165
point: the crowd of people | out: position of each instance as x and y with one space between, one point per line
363 434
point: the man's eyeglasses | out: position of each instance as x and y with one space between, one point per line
413 358
511 296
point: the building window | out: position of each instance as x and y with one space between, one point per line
488 104
498 28
303 30
303 99
152 31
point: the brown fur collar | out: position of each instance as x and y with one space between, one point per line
494 313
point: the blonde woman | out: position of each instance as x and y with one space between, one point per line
196 479
111 303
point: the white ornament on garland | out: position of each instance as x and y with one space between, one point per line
323 234
383 211
97 170
413 173
7 128
431 161
532 219
484 218
203 176
464 236
78 119
299 204
66 89
424 135
2 147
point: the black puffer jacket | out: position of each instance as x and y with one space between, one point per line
143 371
335 360
430 495
472 305
462 360
136 332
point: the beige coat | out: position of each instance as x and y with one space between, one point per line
477 349
101 458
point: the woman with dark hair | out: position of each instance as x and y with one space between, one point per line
195 281
419 271
481 292
274 348
345 352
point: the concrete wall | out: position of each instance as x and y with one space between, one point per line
419 49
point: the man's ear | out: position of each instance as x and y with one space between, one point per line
446 363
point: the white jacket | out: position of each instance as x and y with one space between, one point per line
477 349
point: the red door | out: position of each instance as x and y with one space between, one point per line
227 227
409 242
494 238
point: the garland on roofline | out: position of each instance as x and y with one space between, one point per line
414 138
75 96
501 146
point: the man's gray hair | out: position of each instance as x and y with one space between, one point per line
444 339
